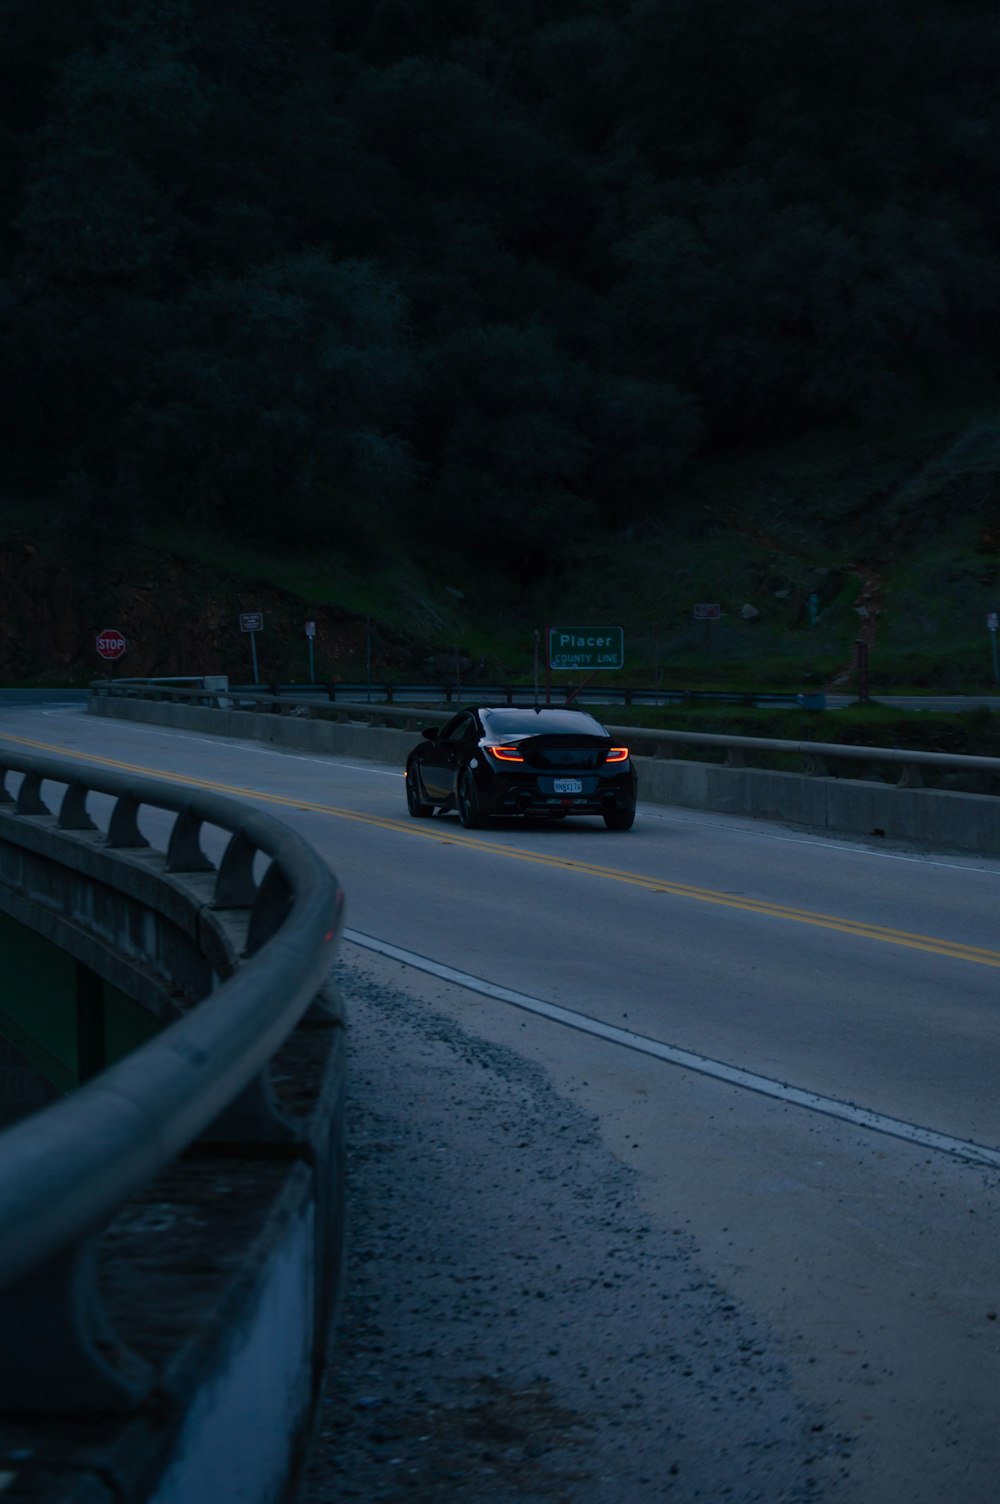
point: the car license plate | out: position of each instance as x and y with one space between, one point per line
567 785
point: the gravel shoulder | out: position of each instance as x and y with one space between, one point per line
512 1326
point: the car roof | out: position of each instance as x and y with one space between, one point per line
526 720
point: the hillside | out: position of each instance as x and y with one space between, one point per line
894 532
476 276
434 322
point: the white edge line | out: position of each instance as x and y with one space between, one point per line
860 1117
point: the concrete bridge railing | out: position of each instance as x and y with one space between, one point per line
830 786
904 766
170 1228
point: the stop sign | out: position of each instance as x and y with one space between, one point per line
110 643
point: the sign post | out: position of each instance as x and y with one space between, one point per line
310 634
707 611
991 627
861 658
252 622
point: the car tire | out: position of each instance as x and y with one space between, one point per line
619 819
468 801
417 807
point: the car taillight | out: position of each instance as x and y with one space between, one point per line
506 754
617 754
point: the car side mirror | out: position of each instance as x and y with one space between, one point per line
430 733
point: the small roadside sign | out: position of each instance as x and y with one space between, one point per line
253 622
707 611
310 629
110 643
991 621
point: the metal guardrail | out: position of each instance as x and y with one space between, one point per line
495 694
525 694
67 1169
819 759
817 756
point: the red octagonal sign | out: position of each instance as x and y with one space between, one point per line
110 643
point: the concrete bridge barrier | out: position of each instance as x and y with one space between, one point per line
171 1222
815 798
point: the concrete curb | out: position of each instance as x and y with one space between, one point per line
934 817
964 822
297 733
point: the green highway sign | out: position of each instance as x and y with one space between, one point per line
586 647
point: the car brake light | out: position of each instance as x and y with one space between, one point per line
507 754
617 754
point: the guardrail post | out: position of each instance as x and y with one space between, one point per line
272 902
73 810
184 853
235 887
29 798
123 831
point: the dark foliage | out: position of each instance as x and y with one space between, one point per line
465 272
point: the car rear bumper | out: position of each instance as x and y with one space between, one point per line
530 797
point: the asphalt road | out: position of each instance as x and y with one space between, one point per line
776 1054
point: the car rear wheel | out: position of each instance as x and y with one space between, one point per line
468 801
619 819
417 807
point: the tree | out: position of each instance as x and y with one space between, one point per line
509 474
280 409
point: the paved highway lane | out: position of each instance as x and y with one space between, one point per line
856 975
865 975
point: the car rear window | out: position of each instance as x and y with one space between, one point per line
515 722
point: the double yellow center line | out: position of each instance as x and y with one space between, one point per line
430 830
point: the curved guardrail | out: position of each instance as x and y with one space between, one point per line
67 1169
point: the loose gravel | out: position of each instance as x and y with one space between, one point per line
512 1329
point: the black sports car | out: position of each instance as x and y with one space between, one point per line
507 761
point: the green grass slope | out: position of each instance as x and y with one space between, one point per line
890 535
